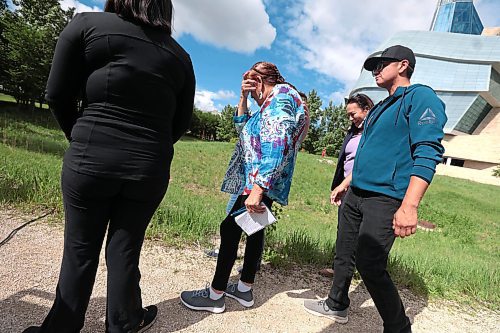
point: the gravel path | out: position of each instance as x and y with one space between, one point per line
30 264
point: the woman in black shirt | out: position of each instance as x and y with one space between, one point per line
137 86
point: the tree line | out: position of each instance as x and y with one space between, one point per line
326 133
28 36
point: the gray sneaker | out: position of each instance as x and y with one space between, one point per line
244 298
200 300
320 308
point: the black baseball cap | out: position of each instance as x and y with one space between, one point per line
393 53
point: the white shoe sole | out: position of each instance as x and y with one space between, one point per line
246 304
337 319
199 308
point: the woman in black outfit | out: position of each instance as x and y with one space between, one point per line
138 90
357 108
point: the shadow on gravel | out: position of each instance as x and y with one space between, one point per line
363 316
269 282
179 317
22 310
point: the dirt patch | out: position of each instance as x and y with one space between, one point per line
30 267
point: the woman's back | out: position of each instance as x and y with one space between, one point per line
139 88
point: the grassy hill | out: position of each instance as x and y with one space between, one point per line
457 261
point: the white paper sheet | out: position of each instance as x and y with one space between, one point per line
253 222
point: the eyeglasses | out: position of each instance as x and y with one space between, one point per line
381 65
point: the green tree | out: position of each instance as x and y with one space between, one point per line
3 43
30 34
310 143
204 125
225 128
195 126
209 123
335 124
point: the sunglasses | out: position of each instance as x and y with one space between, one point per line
381 65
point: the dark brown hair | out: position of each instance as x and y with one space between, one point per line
409 71
363 101
154 13
303 96
268 72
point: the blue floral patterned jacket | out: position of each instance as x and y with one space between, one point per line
268 144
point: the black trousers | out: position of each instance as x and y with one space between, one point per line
230 234
92 205
365 233
352 265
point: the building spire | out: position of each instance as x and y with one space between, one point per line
458 16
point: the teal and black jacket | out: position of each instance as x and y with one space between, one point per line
401 138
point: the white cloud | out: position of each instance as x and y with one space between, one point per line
241 26
205 99
337 97
335 37
79 7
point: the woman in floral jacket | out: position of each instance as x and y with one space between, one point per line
260 172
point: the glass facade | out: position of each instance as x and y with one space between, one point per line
443 75
458 17
457 105
495 84
458 67
444 17
474 116
470 48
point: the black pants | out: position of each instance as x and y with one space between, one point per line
91 204
365 233
230 234
352 263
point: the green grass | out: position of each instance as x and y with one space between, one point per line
10 99
7 98
459 261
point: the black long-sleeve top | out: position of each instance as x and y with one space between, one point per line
138 88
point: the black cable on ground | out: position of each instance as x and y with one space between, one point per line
13 232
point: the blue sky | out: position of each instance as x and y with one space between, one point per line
316 44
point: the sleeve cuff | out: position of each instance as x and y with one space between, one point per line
423 172
262 183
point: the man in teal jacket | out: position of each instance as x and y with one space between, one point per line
395 162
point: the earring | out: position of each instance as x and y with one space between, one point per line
260 95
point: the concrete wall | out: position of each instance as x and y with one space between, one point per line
490 123
481 176
493 31
480 151
482 146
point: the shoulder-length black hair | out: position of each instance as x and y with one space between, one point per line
155 13
363 101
